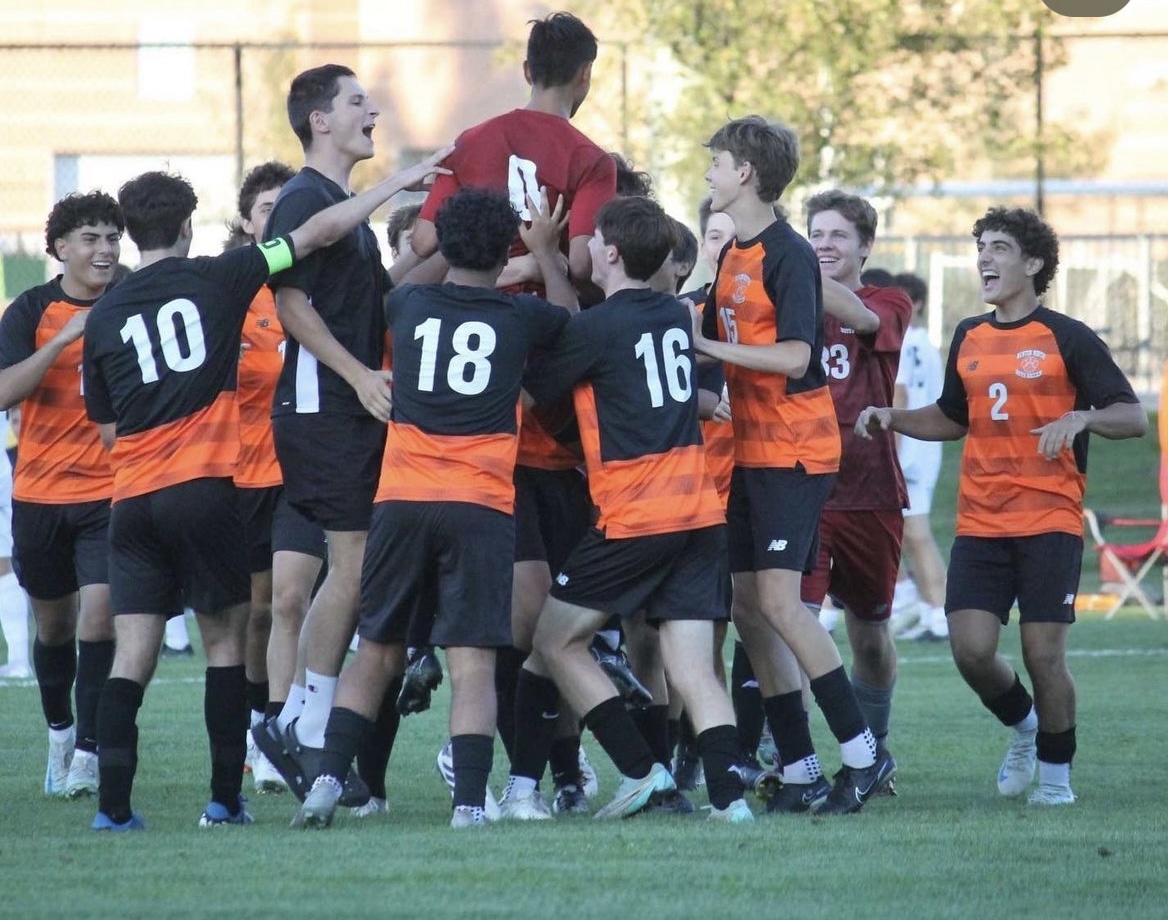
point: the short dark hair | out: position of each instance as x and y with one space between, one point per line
77 210
852 208
155 204
631 181
313 91
685 249
876 277
475 228
401 220
557 47
1034 236
913 285
262 178
771 148
640 230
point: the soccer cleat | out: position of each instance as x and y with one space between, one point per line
266 777
670 803
1017 770
468 816
320 805
82 779
354 793
687 769
750 771
855 785
60 759
423 676
216 814
737 812
444 763
768 752
373 807
620 672
796 798
169 651
632 795
270 743
588 779
12 671
570 800
1050 794
523 807
103 822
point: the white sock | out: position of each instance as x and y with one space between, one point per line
1030 723
859 752
176 632
293 706
905 594
1054 774
803 771
319 690
257 716
14 620
520 786
937 620
60 735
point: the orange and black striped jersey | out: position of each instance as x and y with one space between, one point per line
260 359
630 364
160 361
769 290
459 355
61 459
1002 381
718 437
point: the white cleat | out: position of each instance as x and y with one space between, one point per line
60 759
1050 794
468 816
1017 770
320 805
445 766
372 808
632 795
588 776
523 807
737 812
83 777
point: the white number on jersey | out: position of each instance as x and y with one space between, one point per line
521 183
836 361
999 395
469 371
166 324
729 324
675 364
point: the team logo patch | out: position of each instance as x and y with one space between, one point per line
263 322
741 283
971 366
1030 363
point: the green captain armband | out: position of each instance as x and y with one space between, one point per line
279 253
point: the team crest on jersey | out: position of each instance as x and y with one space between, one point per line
741 283
263 322
1030 363
971 367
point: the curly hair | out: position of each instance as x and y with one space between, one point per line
1034 236
475 228
155 204
630 181
77 210
260 179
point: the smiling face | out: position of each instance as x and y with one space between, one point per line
725 179
89 257
1007 276
837 246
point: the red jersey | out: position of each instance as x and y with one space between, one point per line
260 359
861 371
1003 380
769 290
61 460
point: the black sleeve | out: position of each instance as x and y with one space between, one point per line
545 320
557 369
290 212
18 331
1096 377
98 405
794 287
953 401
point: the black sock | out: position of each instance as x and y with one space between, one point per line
1056 747
1012 706
747 700
536 708
789 726
719 749
564 761
344 735
225 714
508 662
257 695
686 737
612 726
674 736
93 667
117 743
653 724
373 756
56 668
837 701
472 756
273 709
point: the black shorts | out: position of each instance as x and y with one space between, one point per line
772 519
552 513
273 526
671 576
1041 572
58 548
331 464
449 562
292 532
181 546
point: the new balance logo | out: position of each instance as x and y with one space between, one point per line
1069 600
561 579
777 546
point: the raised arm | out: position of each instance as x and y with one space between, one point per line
542 239
847 307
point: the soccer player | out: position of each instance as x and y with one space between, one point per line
521 151
63 482
1025 386
766 327
629 365
918 383
285 551
443 530
159 367
862 522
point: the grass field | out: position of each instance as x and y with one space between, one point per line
947 846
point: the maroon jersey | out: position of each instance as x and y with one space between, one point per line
861 372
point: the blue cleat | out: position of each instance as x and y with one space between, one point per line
103 822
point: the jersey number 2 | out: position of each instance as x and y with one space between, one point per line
999 395
167 322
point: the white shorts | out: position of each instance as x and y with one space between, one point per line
920 497
5 508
